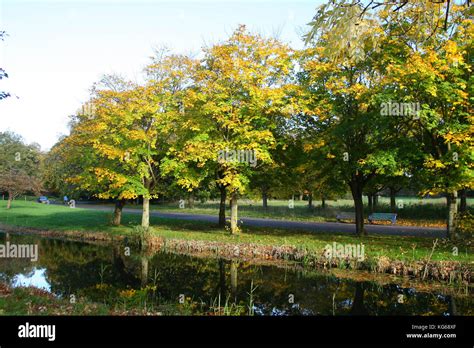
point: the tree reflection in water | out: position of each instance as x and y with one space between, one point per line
80 268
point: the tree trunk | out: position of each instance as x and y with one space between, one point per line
265 198
191 201
375 201
117 218
301 196
463 206
234 229
146 213
451 198
393 205
356 189
310 200
10 198
323 202
222 206
358 307
370 199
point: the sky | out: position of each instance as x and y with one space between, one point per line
56 49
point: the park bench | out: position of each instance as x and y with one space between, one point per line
345 216
383 216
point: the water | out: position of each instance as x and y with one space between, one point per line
103 273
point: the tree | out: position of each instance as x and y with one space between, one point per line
169 80
266 180
360 60
343 106
77 166
435 68
19 166
125 168
280 177
16 182
240 86
307 160
408 163
349 17
140 121
463 197
64 161
102 141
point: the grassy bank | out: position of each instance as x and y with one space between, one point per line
34 301
193 235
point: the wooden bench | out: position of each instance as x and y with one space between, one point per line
383 216
345 216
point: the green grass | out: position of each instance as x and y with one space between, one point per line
60 218
415 212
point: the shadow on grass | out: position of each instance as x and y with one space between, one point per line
407 210
61 218
291 234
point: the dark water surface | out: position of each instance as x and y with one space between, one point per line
103 273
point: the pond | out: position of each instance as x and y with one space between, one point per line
106 273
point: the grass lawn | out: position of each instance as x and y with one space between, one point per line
60 218
415 211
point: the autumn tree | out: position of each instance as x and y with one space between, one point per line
130 132
121 139
169 80
80 157
351 14
436 69
411 61
241 88
344 85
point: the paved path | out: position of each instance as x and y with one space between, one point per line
397 230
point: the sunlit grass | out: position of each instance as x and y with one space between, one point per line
61 218
414 211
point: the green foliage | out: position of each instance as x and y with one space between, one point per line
18 156
19 166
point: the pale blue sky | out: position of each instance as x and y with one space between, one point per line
56 49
